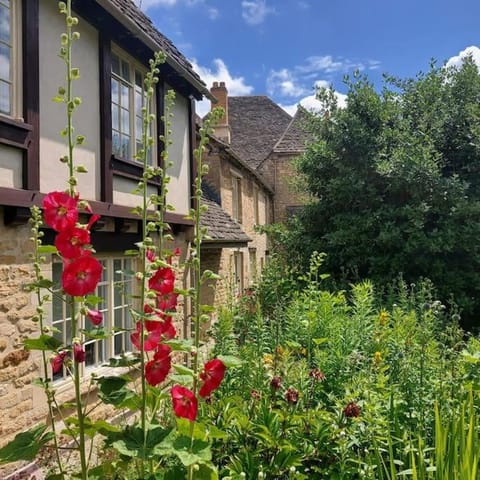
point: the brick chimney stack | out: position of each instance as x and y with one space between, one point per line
220 92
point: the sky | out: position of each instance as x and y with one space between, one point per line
285 48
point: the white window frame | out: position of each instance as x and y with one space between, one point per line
135 123
15 74
102 350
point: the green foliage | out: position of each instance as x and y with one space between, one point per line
396 177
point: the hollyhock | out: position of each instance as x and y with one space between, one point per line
70 242
156 370
81 276
185 404
57 361
60 211
276 383
167 303
164 324
78 353
151 338
150 254
95 316
162 281
212 376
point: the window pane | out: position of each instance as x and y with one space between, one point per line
115 64
116 143
5 24
5 62
138 128
115 118
125 121
138 79
124 95
5 98
125 70
115 90
125 142
138 103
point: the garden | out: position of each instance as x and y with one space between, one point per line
314 372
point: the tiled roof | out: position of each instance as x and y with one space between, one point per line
257 123
296 135
132 13
221 227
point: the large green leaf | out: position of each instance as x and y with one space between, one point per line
26 445
113 390
43 342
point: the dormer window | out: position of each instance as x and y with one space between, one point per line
128 99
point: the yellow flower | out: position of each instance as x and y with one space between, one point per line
383 317
268 359
378 358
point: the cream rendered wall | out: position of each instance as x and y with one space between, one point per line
52 115
179 154
11 160
122 192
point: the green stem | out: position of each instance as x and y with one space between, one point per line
69 101
78 397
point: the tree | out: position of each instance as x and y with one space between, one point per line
396 176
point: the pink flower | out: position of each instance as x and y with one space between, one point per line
95 316
81 276
60 211
57 361
150 254
212 376
156 370
168 303
185 404
78 353
162 281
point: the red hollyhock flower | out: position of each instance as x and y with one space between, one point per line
151 340
57 361
81 276
212 376
70 242
185 404
95 316
163 281
164 324
60 211
78 353
156 370
168 303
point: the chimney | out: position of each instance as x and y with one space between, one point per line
220 92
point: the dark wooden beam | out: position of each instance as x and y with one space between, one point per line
106 174
31 92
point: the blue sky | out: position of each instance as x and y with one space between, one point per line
283 48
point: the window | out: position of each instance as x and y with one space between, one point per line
10 58
237 272
115 290
237 198
128 99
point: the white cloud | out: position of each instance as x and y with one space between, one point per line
236 85
328 64
254 12
146 4
457 60
213 13
284 83
312 104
